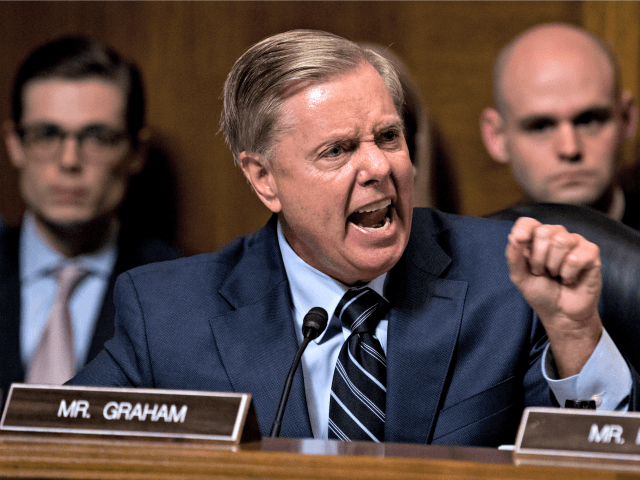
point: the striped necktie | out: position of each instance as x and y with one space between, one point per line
358 391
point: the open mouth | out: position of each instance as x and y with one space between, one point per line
373 217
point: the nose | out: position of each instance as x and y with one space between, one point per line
568 143
374 165
70 155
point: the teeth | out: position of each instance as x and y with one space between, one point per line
375 206
374 229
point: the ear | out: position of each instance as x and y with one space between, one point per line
259 174
137 159
14 145
493 136
629 114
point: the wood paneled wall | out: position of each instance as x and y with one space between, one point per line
185 50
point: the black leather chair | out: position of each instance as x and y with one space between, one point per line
620 252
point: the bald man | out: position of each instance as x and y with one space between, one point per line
560 119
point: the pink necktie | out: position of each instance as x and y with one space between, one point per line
54 359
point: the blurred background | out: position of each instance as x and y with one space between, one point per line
194 192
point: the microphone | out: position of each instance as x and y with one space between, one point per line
313 324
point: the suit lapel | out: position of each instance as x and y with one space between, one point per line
424 321
105 327
257 341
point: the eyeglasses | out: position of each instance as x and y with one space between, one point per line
96 143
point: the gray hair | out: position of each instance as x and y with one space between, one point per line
266 73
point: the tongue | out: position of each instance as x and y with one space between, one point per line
369 219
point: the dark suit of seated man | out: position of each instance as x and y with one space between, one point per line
458 352
76 137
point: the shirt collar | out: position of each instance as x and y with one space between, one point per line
310 287
38 258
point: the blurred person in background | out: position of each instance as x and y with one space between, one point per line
560 118
77 137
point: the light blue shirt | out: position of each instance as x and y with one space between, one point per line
38 285
605 377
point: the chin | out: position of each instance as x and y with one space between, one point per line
70 222
64 215
577 199
367 272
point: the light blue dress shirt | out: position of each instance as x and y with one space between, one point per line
38 286
605 377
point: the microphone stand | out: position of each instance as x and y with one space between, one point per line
315 321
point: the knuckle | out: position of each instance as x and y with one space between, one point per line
563 240
573 259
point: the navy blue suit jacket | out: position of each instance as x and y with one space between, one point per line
463 352
132 252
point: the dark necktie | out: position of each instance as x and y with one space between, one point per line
358 391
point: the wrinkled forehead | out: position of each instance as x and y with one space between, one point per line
360 110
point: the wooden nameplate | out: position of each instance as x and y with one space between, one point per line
575 437
227 418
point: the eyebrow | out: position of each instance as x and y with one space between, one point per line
601 112
88 126
357 135
395 123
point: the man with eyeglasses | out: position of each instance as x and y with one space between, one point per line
76 136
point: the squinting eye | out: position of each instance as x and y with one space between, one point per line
388 139
334 152
390 135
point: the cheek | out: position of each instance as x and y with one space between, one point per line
402 170
602 151
407 174
529 174
116 190
532 155
34 180
109 187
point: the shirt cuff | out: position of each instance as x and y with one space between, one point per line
605 378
